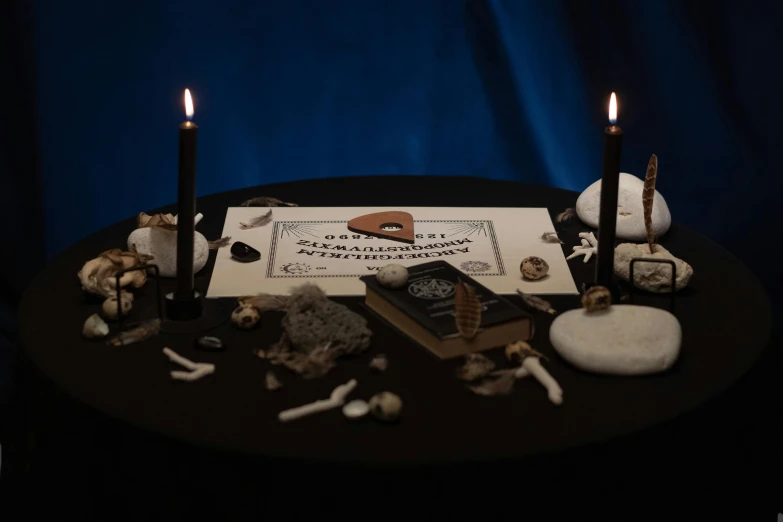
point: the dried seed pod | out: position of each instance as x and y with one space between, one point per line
597 298
386 406
272 382
245 317
467 310
534 268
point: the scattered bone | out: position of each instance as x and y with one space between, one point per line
335 400
197 370
588 248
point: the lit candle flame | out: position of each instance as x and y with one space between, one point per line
613 109
188 105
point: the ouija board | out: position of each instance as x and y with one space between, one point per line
313 244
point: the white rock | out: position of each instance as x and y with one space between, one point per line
630 214
95 327
393 276
623 340
653 277
162 244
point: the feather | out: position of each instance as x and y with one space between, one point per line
266 202
142 332
536 303
259 221
476 366
265 302
567 215
550 237
166 221
467 310
648 197
219 243
500 386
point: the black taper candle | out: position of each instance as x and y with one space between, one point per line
607 219
186 213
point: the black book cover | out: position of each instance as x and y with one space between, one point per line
428 298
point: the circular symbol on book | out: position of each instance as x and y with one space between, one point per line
295 268
431 289
475 266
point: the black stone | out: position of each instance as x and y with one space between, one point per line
245 253
209 344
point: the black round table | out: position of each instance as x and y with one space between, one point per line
726 324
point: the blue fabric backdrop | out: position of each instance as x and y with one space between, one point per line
501 89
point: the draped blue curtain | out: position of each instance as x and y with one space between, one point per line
296 89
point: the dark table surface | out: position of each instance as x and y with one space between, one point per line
725 316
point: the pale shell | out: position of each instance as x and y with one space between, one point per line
386 406
356 409
95 327
245 317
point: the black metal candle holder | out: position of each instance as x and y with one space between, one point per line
655 260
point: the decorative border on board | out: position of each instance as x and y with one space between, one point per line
275 236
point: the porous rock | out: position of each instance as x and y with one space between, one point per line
313 320
162 244
622 340
630 214
653 277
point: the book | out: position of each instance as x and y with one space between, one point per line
423 309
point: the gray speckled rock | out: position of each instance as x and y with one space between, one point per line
653 277
312 320
162 244
392 276
622 340
630 214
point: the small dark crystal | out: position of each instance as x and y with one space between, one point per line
209 344
245 253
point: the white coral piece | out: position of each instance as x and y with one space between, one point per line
588 248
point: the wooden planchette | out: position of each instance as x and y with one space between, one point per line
372 225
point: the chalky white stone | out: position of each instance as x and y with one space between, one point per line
622 340
393 276
630 214
653 277
356 409
162 244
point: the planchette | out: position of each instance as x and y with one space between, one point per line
394 225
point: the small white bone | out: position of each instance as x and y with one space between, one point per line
335 400
196 219
532 366
197 370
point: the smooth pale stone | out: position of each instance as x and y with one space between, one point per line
653 277
392 276
356 409
623 340
630 214
162 244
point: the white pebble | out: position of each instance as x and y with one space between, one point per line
356 409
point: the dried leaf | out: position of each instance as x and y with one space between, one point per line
156 220
266 202
142 332
265 302
648 197
257 222
500 386
476 366
272 382
536 303
467 310
567 215
550 237
219 243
